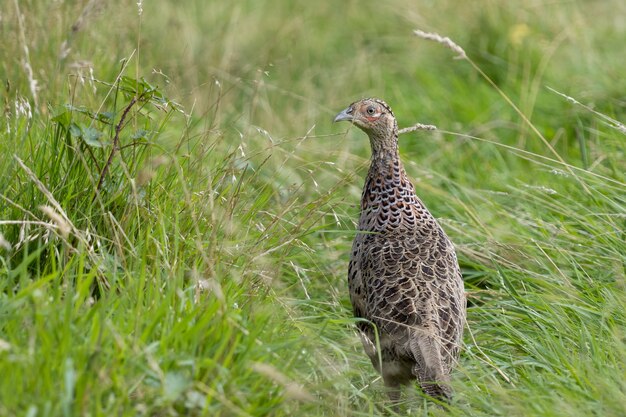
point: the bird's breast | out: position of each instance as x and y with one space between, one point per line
390 203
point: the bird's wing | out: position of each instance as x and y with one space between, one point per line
411 281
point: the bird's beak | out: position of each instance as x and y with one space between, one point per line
345 114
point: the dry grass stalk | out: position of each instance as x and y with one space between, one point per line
63 227
447 42
416 126
4 244
92 8
615 124
292 390
444 40
32 82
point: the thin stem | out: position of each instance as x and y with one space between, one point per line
116 141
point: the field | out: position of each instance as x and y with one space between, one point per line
177 209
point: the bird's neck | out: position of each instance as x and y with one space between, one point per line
386 180
385 156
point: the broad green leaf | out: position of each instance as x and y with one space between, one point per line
92 137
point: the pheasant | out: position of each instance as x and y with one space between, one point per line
403 275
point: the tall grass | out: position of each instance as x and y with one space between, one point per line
176 209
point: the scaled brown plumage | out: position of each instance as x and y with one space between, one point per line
403 275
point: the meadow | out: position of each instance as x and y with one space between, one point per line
177 209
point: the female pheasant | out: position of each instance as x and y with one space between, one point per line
403 275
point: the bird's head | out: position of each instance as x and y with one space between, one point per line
373 116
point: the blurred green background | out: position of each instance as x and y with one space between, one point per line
176 207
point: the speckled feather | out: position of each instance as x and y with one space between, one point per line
403 274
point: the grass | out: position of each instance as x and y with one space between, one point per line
202 271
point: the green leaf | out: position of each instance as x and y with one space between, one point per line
75 130
136 86
106 117
63 117
140 134
92 137
82 109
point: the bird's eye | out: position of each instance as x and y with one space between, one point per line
371 110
